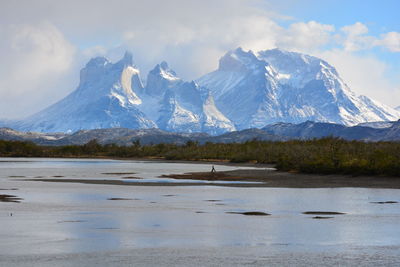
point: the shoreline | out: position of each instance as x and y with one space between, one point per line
254 178
163 160
264 176
273 178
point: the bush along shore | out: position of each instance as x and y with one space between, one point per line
322 156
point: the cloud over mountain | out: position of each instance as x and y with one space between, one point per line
191 35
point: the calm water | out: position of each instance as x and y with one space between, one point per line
63 218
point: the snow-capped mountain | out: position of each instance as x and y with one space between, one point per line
247 90
103 99
256 89
180 106
112 95
160 79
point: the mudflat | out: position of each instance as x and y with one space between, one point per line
255 178
273 178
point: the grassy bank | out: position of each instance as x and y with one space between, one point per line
324 156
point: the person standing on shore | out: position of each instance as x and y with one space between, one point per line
213 169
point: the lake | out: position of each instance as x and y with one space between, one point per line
70 224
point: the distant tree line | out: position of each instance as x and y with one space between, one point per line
324 156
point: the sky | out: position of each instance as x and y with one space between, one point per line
45 43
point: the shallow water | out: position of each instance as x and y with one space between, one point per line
64 218
123 170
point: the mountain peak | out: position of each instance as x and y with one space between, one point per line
297 69
97 62
278 50
128 56
160 78
278 85
126 60
248 90
164 71
239 60
164 65
281 58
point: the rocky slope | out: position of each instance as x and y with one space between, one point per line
112 95
255 89
249 90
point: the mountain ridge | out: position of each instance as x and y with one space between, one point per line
287 86
248 90
275 132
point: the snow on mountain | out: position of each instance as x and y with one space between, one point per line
161 78
103 99
240 85
112 95
176 118
254 90
397 108
181 106
189 108
247 90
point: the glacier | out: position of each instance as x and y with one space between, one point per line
248 90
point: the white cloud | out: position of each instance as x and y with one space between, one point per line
391 41
194 39
39 58
94 51
306 36
356 29
365 75
40 49
354 37
34 57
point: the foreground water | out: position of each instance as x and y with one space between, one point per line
71 224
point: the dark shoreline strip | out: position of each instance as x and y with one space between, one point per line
117 182
323 213
10 198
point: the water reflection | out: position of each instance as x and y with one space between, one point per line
99 169
57 217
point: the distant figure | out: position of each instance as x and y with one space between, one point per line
213 169
11 214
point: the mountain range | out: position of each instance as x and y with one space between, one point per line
248 90
310 130
273 132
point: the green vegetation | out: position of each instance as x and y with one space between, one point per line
326 156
